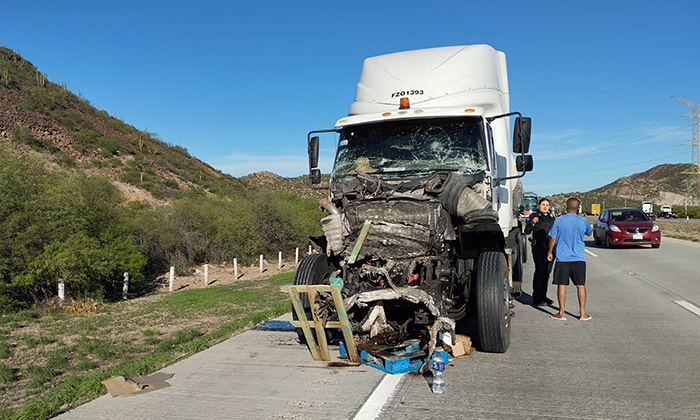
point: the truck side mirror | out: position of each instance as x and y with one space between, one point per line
523 163
313 152
521 135
315 176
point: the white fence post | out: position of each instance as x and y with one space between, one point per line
61 290
125 287
296 256
206 275
279 261
235 268
309 249
172 277
261 263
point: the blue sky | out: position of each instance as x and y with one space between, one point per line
239 84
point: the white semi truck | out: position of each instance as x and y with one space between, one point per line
423 227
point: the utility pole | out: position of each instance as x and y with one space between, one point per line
694 114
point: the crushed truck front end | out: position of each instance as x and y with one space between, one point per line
422 226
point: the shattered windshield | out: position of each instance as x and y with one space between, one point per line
411 147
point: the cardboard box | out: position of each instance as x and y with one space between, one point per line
462 346
120 386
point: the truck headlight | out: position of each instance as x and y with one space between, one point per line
655 228
614 228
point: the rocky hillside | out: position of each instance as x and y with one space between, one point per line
299 185
41 116
662 184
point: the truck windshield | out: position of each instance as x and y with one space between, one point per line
529 204
395 149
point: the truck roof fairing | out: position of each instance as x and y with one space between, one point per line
460 76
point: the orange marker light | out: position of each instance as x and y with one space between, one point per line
469 110
386 114
404 104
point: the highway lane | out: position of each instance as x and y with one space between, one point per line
637 358
673 266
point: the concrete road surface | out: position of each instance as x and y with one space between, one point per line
638 358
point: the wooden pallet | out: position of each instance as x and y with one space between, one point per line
319 351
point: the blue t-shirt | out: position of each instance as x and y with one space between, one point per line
569 230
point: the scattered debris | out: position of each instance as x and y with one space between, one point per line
120 386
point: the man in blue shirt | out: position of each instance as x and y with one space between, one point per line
567 234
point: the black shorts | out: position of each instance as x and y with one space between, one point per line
574 270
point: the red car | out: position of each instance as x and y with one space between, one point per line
626 227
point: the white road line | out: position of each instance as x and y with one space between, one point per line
591 253
381 394
689 306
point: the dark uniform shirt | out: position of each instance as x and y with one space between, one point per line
540 230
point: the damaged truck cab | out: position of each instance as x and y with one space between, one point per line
423 224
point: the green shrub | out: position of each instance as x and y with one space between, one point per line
87 140
108 147
24 136
46 100
57 225
65 159
114 163
72 120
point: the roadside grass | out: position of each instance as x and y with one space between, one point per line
54 362
690 231
4 350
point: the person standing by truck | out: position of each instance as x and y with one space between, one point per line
567 234
538 224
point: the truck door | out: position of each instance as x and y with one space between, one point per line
492 169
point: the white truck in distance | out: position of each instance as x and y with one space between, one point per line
423 227
667 212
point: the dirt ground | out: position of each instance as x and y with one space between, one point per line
224 274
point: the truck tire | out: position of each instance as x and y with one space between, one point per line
313 269
492 299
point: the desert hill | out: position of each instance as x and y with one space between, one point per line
37 114
665 184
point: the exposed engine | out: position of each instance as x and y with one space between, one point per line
395 246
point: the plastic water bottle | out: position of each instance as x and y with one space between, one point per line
437 366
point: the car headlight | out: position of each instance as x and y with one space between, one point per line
614 228
655 228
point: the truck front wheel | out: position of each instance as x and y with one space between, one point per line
314 269
492 297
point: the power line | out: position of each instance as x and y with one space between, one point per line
646 151
635 141
695 143
620 166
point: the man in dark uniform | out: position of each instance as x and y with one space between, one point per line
538 224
